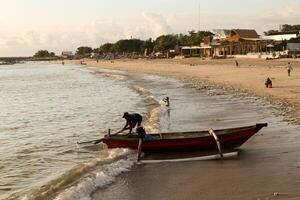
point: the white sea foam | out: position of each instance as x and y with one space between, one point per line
84 179
106 176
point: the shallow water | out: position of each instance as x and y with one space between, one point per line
47 108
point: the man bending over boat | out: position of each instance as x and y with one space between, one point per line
131 121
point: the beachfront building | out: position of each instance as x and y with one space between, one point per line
236 41
293 47
228 42
191 51
280 36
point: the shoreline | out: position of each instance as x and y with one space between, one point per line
246 80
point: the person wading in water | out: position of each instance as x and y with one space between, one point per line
132 120
167 101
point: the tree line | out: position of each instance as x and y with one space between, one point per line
162 44
44 54
284 28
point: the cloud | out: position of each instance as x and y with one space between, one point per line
288 12
94 33
157 23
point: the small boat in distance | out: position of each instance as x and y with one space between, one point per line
186 141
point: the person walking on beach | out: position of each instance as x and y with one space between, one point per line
289 69
236 63
131 121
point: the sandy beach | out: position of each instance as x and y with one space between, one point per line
249 76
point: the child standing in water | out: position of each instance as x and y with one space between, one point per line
166 101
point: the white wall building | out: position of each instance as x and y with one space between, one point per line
280 36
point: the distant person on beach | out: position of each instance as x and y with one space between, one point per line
268 83
131 121
289 69
236 63
166 101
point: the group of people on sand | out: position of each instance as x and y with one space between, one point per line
269 83
135 120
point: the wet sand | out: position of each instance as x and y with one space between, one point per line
268 166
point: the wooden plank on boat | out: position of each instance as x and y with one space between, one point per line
202 158
140 149
211 131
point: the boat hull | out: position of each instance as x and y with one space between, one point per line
187 141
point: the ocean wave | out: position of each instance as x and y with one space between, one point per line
119 77
106 176
79 182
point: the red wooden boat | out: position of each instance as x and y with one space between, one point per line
186 141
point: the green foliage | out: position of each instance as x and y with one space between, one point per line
194 38
284 28
128 46
82 51
148 45
106 48
270 32
287 27
43 54
165 42
96 50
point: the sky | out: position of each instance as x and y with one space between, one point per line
27 26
